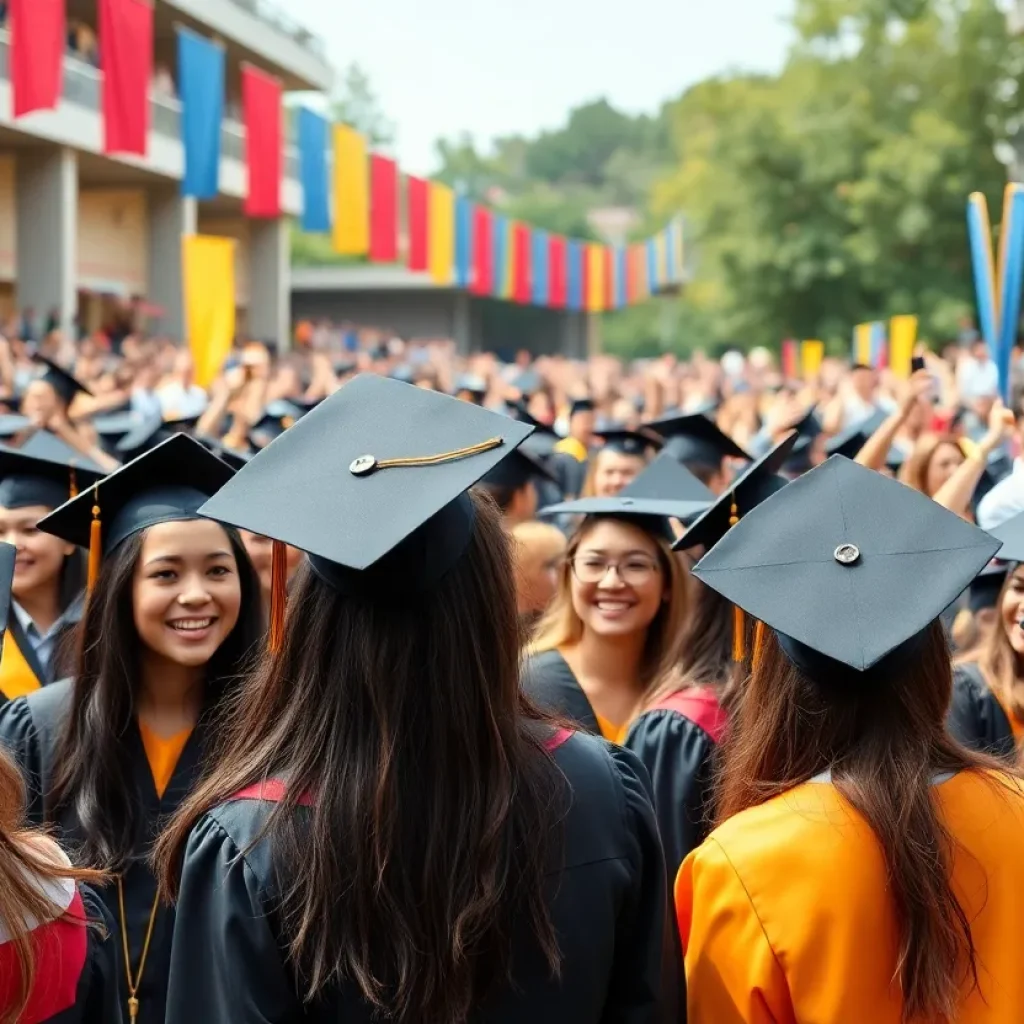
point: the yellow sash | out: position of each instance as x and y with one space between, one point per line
572 447
16 675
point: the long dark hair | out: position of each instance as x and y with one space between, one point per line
93 769
434 806
883 741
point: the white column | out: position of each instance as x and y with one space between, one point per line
269 316
171 216
46 203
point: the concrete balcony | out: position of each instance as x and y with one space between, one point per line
77 122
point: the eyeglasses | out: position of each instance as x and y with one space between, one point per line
634 571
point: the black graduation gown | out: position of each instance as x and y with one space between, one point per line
44 674
679 756
976 718
551 685
570 472
607 897
29 729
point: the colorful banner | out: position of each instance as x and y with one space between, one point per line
879 344
661 252
126 54
483 252
463 242
790 359
621 276
264 142
541 245
595 278
522 253
675 251
979 230
441 226
209 280
351 193
418 214
499 237
1011 278
383 209
201 90
558 272
38 38
316 206
574 271
812 355
902 339
608 259
653 280
860 353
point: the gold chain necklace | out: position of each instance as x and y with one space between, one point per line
133 984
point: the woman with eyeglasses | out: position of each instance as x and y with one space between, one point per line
610 634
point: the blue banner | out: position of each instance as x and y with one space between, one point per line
979 232
653 277
540 252
201 88
463 242
1012 266
316 207
878 339
621 276
499 243
574 274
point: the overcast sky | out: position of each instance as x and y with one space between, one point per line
495 67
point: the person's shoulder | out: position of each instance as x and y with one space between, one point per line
544 663
43 709
969 683
689 715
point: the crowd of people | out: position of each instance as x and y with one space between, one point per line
381 683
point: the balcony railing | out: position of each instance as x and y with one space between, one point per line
82 88
276 16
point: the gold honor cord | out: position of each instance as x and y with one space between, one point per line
739 626
368 463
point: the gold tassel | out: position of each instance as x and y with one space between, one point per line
278 594
758 644
72 485
95 547
739 626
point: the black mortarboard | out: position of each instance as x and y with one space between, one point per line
167 484
667 479
580 405
849 442
116 425
984 589
44 471
760 481
473 384
848 567
1010 534
235 459
695 438
629 442
808 429
518 470
150 431
60 380
382 469
277 417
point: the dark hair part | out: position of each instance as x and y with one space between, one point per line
92 773
883 742
435 807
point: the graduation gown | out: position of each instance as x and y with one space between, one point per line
677 743
784 913
977 718
21 671
30 728
606 895
550 683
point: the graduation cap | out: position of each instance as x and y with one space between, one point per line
695 438
580 405
518 470
808 429
8 553
277 417
166 484
629 442
149 431
60 380
1010 534
234 458
383 469
847 567
472 384
114 426
849 442
760 481
984 589
44 471
12 425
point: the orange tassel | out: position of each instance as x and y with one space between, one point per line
758 643
72 485
95 548
278 595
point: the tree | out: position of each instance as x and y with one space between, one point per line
355 103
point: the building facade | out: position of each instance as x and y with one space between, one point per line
82 233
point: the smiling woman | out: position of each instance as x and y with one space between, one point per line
172 617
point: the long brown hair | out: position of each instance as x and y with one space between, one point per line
561 626
883 741
914 471
435 805
22 868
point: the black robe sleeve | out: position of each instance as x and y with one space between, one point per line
647 983
19 739
679 757
226 964
976 718
99 992
548 681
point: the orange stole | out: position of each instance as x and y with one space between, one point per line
162 754
16 675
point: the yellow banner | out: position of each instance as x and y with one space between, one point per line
902 339
351 193
679 253
596 300
862 344
209 269
441 227
508 284
661 249
812 355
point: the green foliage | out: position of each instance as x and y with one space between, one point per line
835 192
355 103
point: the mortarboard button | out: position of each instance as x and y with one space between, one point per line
846 554
363 465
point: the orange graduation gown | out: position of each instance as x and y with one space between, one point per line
784 916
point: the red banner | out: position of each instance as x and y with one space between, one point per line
264 142
558 272
483 251
37 54
383 209
126 52
419 223
522 268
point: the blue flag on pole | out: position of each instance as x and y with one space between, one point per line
541 282
621 276
201 88
1012 267
463 242
574 268
316 209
